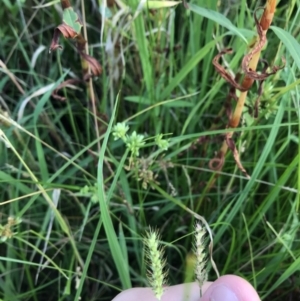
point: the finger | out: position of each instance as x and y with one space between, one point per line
230 288
226 288
186 292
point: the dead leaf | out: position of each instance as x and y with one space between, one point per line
95 66
225 74
232 147
67 31
217 162
68 83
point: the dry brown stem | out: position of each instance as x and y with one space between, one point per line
249 65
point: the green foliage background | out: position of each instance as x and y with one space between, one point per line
84 212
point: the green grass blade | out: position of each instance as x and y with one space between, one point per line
291 270
188 67
291 44
257 170
111 235
216 17
145 55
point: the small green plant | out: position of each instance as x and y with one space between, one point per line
134 142
120 130
6 231
90 191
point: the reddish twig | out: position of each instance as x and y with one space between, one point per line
221 70
258 47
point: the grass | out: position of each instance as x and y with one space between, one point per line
85 201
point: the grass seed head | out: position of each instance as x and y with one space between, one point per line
156 263
201 259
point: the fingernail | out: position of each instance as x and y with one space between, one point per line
222 293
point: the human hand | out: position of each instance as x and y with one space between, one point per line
226 288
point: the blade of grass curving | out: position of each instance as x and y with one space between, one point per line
172 104
106 220
123 245
230 254
6 178
120 166
242 14
143 47
105 215
282 240
286 238
287 274
43 164
216 17
161 103
31 263
88 260
107 223
86 214
43 254
250 250
67 289
273 194
46 196
37 112
131 218
188 67
35 180
55 198
291 44
24 51
69 161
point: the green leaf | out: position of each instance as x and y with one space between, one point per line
71 18
160 4
105 11
106 216
290 43
143 48
216 17
145 101
188 67
289 272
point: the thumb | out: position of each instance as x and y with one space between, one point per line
230 288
